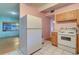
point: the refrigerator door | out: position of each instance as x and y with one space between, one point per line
34 41
34 22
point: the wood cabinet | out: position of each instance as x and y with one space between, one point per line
60 17
71 15
66 16
54 38
77 17
77 43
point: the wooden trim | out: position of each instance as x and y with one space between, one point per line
67 21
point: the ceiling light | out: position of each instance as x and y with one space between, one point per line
13 13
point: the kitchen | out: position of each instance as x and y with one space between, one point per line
59 23
55 33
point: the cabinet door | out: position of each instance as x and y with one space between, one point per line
71 15
78 43
66 16
59 17
78 17
54 38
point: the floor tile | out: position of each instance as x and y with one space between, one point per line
47 49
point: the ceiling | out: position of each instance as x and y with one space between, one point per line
36 4
47 7
57 6
9 9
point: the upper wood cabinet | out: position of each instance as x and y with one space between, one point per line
60 17
70 15
77 17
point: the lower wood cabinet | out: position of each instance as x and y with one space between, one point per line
54 40
77 43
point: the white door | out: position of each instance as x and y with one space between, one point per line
33 22
34 40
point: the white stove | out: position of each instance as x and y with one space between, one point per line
67 39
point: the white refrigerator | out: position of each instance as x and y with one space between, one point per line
30 34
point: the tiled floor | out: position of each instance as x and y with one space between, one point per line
47 49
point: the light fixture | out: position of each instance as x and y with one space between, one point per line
17 24
13 13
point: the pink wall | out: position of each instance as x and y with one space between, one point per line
26 9
64 9
46 28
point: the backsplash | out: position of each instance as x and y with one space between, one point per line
60 26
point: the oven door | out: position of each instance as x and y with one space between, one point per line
67 40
